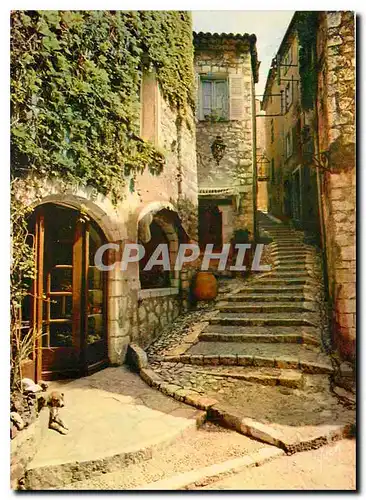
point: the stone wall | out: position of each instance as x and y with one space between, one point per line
156 309
236 169
337 135
262 168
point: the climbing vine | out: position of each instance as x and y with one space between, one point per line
75 83
307 31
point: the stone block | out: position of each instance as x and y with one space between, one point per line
334 19
263 361
244 360
150 377
285 362
136 357
228 359
211 360
197 359
346 306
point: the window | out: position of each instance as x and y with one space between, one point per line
288 96
272 171
272 131
287 60
220 97
214 99
289 144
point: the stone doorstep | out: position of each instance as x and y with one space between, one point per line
285 362
58 475
192 479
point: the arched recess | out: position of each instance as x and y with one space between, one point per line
160 226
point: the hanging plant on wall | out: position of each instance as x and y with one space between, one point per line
75 83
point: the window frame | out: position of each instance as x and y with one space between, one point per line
289 146
214 80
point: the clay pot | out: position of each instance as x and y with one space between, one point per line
205 286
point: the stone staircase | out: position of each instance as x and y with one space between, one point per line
278 308
260 352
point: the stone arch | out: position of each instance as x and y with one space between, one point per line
111 223
166 217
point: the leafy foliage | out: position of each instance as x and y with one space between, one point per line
307 31
75 82
22 270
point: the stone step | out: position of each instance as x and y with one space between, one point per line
293 356
264 288
264 376
270 297
288 266
282 248
256 308
289 338
284 281
288 240
290 252
308 331
290 273
248 319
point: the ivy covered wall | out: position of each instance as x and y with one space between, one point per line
75 84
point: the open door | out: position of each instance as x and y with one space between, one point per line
70 303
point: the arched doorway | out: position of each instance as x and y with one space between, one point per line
69 294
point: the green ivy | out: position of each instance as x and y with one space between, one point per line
307 26
75 83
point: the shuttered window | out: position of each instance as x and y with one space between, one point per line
214 99
221 98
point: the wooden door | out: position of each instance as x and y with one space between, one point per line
71 302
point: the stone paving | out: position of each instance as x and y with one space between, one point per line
266 361
114 419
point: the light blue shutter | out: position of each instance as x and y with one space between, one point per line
220 98
236 86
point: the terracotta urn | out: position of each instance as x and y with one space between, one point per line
205 286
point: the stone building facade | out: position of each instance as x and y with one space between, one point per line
312 151
120 308
337 139
226 70
292 188
262 160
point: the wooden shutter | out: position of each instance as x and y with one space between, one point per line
220 96
236 90
206 97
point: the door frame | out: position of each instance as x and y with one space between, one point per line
80 265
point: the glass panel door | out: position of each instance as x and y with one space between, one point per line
60 352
